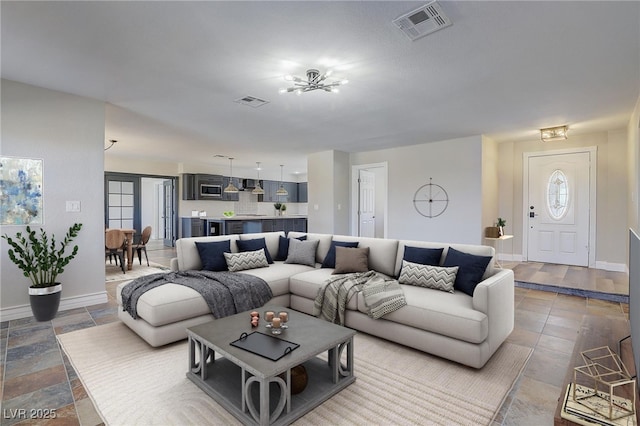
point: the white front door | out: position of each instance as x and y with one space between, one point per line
558 208
366 204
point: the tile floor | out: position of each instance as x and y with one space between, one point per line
37 375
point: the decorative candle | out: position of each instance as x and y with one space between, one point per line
268 316
276 323
284 316
255 314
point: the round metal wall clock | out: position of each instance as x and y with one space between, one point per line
431 200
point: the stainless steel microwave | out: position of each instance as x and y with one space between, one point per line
210 190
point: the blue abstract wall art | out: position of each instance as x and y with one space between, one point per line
21 201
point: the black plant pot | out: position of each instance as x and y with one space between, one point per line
45 302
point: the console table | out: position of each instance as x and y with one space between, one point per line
596 331
497 241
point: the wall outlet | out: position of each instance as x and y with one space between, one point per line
316 207
73 206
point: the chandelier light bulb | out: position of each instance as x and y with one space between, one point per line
345 81
288 77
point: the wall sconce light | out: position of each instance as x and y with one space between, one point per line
551 134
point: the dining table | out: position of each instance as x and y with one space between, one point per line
128 233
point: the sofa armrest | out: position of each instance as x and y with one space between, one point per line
495 298
174 264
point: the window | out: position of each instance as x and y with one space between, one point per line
557 195
120 204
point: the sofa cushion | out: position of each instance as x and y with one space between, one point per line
187 252
471 269
349 259
382 252
435 277
246 260
272 239
277 275
448 314
330 259
212 254
253 245
167 304
302 252
283 247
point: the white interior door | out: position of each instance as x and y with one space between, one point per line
558 212
366 204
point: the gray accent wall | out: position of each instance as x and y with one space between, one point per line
67 132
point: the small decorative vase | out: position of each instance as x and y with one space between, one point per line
500 231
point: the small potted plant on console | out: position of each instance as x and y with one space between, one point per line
42 260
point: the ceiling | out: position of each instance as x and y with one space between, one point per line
171 72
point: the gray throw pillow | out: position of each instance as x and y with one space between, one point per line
302 252
351 259
246 260
435 277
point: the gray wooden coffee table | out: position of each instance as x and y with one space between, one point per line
231 378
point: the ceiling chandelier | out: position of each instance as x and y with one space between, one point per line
231 188
281 192
314 81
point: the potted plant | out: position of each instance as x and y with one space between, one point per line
41 261
277 206
501 224
283 208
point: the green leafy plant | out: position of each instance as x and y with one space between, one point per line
283 207
502 222
37 256
277 206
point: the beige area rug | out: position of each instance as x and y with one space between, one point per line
132 383
114 273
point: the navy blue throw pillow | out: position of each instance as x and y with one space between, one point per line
253 245
423 255
212 255
471 269
330 259
283 247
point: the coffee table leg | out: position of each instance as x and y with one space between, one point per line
264 417
205 354
334 356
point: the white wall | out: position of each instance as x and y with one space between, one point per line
633 165
329 186
456 165
67 132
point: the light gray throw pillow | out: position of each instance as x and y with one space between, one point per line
436 277
302 252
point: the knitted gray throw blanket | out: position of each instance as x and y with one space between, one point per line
381 295
226 293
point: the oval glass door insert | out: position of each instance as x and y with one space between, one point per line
557 195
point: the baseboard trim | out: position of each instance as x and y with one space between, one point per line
24 311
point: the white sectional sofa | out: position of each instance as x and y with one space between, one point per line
456 326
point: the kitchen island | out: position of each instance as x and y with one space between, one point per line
241 224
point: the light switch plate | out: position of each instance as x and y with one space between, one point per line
73 206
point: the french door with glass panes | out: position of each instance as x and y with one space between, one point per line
123 197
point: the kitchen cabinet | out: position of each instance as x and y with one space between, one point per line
271 186
192 227
189 186
303 196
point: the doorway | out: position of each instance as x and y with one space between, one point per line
136 201
559 207
369 200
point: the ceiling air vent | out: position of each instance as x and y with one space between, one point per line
251 101
422 21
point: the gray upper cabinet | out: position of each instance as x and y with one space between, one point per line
189 186
303 196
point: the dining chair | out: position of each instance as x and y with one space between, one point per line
115 246
141 245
